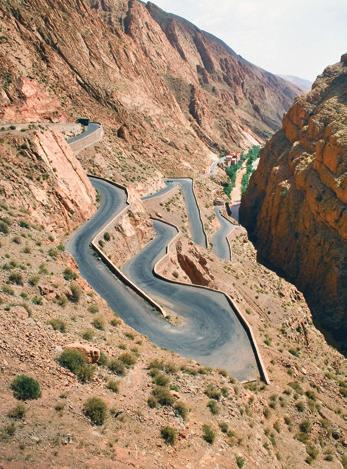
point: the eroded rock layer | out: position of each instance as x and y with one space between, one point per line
295 206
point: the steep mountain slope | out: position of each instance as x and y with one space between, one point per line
295 206
158 83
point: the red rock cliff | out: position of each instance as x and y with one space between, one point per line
295 206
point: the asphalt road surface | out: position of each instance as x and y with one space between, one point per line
220 243
195 222
209 330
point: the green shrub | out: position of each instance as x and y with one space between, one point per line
88 334
117 367
163 396
240 462
224 427
212 405
312 452
99 324
36 300
24 224
85 373
152 402
300 406
129 359
169 368
93 309
169 435
4 227
25 388
181 410
208 434
161 380
103 360
75 294
297 388
107 236
34 280
72 359
7 290
61 300
15 278
310 395
17 413
58 325
96 410
69 274
305 426
113 386
213 392
7 431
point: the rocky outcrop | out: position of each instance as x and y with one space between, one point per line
90 353
40 174
295 205
25 100
194 265
129 232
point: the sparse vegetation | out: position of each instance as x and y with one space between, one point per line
58 325
213 406
117 367
75 293
17 413
16 278
96 410
75 361
181 410
113 385
240 462
99 324
169 435
25 388
208 434
69 274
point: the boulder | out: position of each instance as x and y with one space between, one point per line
92 354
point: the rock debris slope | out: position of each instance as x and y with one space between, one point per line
295 206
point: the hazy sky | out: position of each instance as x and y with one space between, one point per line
288 37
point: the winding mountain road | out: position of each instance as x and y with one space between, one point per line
220 244
209 330
195 222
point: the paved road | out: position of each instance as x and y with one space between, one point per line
220 244
88 130
195 222
210 331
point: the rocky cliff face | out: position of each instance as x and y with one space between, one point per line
295 206
40 175
159 83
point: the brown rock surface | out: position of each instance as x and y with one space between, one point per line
40 174
295 206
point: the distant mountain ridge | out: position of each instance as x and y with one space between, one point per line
302 83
